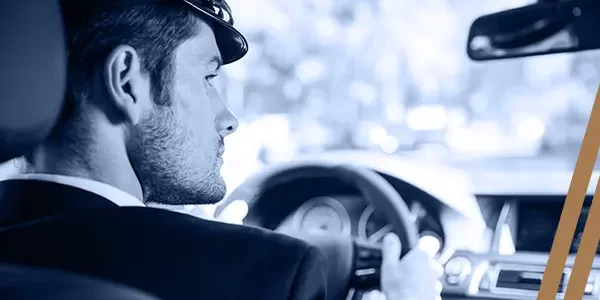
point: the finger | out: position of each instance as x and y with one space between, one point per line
429 244
369 296
437 268
391 248
446 255
375 295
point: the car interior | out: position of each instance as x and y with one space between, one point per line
493 238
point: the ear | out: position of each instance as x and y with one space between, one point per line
127 87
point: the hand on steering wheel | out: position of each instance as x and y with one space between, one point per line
412 277
355 266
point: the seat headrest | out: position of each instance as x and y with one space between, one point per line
32 76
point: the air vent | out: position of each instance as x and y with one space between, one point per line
516 279
522 280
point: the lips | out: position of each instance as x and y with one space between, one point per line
221 148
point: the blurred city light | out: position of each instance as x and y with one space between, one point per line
378 135
293 89
273 134
531 128
480 138
327 30
389 145
427 118
310 70
363 92
312 135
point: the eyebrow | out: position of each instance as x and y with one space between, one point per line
217 61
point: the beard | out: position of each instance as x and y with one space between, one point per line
171 167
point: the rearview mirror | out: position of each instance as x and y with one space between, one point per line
538 29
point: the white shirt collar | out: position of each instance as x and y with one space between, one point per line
104 190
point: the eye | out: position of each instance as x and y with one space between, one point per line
210 77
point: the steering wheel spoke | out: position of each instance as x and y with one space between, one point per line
367 265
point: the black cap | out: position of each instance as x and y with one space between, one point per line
232 44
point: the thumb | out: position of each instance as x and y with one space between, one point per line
374 295
391 248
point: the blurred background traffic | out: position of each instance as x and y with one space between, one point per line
392 76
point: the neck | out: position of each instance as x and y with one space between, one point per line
94 162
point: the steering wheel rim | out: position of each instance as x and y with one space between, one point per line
353 264
382 195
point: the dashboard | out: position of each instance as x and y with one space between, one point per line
536 224
518 224
351 215
498 226
529 223
523 233
522 229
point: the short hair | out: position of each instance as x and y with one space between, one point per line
154 30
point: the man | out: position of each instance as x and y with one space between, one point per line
143 124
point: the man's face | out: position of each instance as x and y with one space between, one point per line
176 149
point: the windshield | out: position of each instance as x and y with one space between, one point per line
346 74
329 74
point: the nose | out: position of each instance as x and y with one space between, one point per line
227 123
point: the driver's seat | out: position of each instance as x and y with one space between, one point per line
154 250
30 283
31 91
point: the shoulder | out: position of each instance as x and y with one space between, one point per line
299 266
178 226
191 245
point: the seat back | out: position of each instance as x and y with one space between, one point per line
29 283
32 76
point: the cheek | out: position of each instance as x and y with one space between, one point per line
195 114
191 98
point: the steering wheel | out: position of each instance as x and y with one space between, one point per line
353 264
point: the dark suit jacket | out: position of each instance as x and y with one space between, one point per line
168 254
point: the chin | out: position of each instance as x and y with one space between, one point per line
187 191
220 190
211 191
